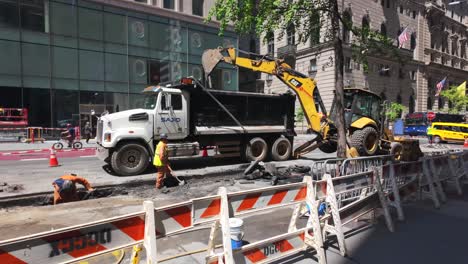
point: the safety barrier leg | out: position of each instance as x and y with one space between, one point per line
150 232
316 241
299 209
211 241
436 179
383 199
335 229
455 173
225 228
426 175
396 203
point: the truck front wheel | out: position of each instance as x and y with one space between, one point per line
256 149
130 159
281 149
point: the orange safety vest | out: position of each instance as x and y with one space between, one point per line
161 148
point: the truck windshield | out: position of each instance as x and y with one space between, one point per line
149 101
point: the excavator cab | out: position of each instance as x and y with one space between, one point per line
363 119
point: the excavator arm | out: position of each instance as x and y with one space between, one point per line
303 86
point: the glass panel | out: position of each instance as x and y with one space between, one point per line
90 24
171 37
168 4
66 107
9 19
115 26
136 100
197 7
32 15
91 65
116 102
138 70
65 63
63 19
158 72
11 97
37 101
138 32
116 68
10 52
35 59
176 101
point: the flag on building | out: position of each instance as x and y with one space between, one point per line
461 89
404 36
440 85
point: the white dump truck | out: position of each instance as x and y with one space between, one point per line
249 126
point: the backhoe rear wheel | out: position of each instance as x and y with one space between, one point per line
366 141
396 150
329 146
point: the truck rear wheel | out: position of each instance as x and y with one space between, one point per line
130 159
256 149
281 149
396 150
365 141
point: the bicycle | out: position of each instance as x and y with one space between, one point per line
59 145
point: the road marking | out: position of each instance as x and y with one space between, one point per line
32 159
87 156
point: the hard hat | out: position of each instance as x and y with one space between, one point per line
67 186
163 136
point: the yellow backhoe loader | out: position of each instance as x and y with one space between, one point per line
364 116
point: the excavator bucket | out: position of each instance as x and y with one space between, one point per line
210 59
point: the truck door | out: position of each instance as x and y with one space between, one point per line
171 116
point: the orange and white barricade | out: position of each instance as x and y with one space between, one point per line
73 244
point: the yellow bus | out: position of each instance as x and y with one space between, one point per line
448 132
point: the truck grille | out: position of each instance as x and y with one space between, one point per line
100 124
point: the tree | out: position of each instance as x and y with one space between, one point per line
457 102
394 111
263 16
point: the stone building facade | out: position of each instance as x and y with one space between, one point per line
436 48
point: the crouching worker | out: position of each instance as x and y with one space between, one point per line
65 188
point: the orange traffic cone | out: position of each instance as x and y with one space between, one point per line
465 145
205 153
53 162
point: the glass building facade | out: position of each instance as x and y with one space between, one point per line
60 59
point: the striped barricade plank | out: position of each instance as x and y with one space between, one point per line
173 218
74 243
265 198
206 209
271 249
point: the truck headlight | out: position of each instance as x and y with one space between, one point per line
107 137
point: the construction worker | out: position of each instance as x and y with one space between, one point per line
161 161
65 188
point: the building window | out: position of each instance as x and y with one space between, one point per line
461 18
429 103
413 75
313 67
9 14
451 13
197 7
382 2
413 41
365 27
443 60
388 3
315 29
32 15
169 4
411 104
348 67
158 72
291 35
441 102
401 9
383 29
401 73
414 14
463 50
271 44
348 21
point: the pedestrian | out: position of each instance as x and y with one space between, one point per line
88 132
65 188
69 135
161 161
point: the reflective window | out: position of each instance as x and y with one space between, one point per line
66 107
37 101
158 72
176 101
197 7
291 35
169 4
32 15
9 13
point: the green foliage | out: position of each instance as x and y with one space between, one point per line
299 115
394 111
457 101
